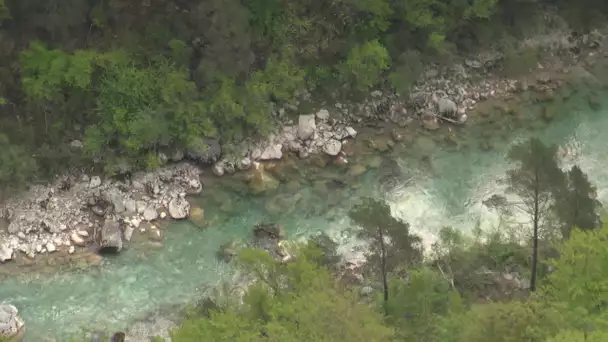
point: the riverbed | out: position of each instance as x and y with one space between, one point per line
442 184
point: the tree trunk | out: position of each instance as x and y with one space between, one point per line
534 256
383 269
536 220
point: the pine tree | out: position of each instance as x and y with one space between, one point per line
576 203
390 243
535 181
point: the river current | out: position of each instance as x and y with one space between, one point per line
129 287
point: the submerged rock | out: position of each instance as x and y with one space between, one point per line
197 215
261 181
229 250
11 324
429 122
269 237
269 230
111 237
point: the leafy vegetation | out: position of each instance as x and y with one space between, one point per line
130 78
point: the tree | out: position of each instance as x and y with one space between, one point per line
579 282
390 243
513 321
329 248
534 180
364 65
17 165
310 306
576 203
418 303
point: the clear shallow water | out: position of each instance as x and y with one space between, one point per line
127 287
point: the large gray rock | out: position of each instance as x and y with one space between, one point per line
116 198
111 236
272 152
306 126
179 208
205 151
332 147
150 214
11 324
447 108
6 253
323 115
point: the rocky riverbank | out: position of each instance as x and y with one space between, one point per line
79 212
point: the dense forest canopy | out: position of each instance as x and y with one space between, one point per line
128 78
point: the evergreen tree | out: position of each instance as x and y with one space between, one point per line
576 203
535 181
390 243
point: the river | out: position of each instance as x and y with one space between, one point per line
449 193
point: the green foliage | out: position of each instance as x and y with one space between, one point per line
136 108
303 304
503 322
407 71
580 336
580 279
4 11
139 109
364 65
329 250
576 203
537 171
519 62
467 261
417 305
390 238
17 164
535 181
391 247
134 77
48 74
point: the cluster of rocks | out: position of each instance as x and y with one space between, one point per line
312 133
446 95
11 324
77 211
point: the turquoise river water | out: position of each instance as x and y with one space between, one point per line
126 288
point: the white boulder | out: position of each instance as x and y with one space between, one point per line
306 126
179 208
332 147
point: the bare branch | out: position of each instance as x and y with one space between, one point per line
449 279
